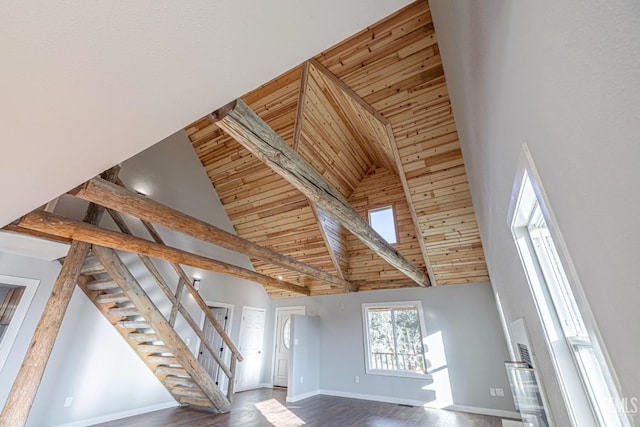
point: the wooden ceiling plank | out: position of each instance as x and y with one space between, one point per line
255 135
120 199
83 232
334 244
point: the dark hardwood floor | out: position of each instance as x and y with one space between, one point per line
267 407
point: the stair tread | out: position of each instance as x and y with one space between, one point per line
188 392
153 348
92 266
183 381
143 337
124 311
102 284
114 297
172 371
168 361
206 403
133 324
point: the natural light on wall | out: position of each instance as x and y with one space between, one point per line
584 376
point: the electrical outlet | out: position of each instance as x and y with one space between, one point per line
492 392
301 380
356 379
500 392
68 401
187 341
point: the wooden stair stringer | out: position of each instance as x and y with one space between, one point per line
160 366
172 370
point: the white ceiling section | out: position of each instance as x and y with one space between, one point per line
86 85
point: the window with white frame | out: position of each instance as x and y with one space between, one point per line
383 221
584 376
394 338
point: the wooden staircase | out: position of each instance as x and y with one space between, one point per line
116 293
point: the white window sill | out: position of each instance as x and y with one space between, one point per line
404 374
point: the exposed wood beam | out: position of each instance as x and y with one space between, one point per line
121 275
358 107
244 125
24 389
16 229
60 226
120 199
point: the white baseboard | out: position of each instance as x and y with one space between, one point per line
119 415
484 411
291 399
259 385
376 398
373 397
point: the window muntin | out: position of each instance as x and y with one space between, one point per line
383 221
582 374
394 339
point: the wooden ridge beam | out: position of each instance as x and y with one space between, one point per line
246 127
112 196
53 224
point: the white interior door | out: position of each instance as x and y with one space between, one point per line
283 343
207 361
251 347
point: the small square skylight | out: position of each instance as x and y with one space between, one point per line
383 221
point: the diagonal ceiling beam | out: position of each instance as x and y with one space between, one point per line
120 199
53 224
244 125
379 129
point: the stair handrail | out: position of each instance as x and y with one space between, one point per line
236 355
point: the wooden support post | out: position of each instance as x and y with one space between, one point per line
232 378
246 127
23 392
118 272
54 224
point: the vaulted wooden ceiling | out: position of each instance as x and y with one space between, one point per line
372 115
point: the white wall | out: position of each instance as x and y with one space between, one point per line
564 77
90 362
460 320
304 357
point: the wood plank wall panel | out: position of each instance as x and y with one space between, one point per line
379 189
328 141
395 66
336 240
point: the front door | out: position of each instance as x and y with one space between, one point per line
251 341
283 343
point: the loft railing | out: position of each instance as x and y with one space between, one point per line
398 361
177 307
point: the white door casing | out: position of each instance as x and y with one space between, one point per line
283 343
31 285
251 347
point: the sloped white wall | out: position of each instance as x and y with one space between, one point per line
90 361
564 77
